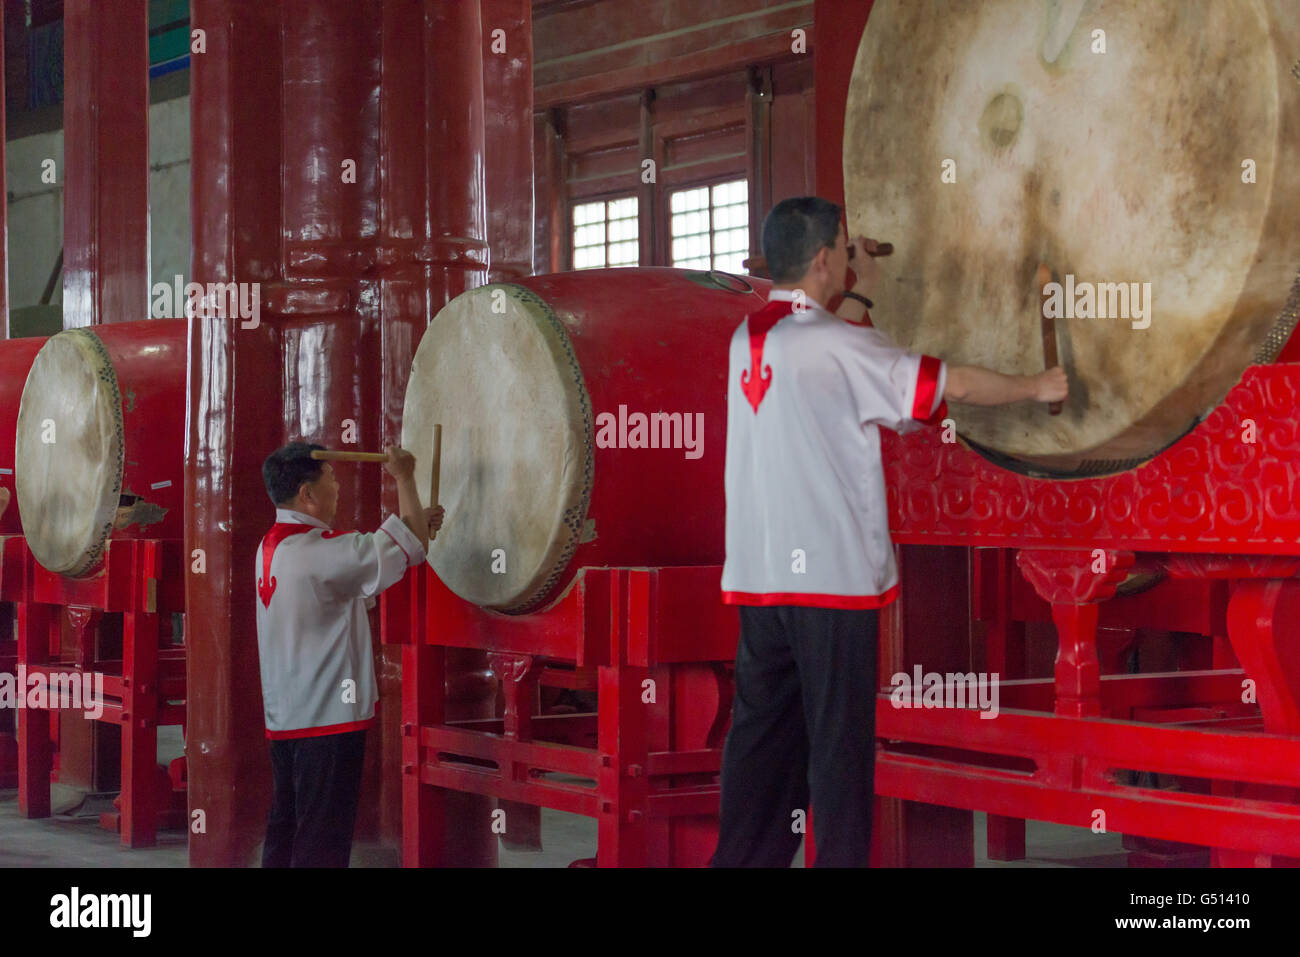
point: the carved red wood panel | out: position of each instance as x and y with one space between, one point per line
1212 491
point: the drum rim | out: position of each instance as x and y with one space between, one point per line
93 352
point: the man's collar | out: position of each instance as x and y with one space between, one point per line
289 516
787 295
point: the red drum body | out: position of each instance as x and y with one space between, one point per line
16 357
100 441
584 424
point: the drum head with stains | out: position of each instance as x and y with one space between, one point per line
68 456
1116 142
496 369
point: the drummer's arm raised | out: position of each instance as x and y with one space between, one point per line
976 385
401 466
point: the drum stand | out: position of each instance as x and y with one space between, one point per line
1091 745
654 643
141 580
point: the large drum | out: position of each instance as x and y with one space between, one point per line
584 424
16 357
100 441
1148 152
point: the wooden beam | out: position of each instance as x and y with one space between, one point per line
737 56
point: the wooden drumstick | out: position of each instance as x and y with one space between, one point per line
1043 277
329 455
437 470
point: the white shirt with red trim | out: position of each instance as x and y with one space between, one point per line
807 393
314 587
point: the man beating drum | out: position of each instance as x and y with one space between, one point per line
809 558
314 587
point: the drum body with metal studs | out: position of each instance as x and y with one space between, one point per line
100 441
583 424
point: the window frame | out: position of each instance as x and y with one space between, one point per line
706 182
605 198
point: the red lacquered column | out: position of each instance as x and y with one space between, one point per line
433 247
508 113
327 312
106 162
235 416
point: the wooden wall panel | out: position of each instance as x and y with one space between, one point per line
591 38
793 131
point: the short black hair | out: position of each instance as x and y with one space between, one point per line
286 469
795 231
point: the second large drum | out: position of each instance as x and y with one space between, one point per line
584 423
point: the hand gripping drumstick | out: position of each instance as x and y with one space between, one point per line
1043 277
437 469
882 249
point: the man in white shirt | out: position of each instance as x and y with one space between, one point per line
809 557
314 587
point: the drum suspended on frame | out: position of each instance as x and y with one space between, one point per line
1116 141
584 424
100 441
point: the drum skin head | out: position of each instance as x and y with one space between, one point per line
517 453
1117 167
69 454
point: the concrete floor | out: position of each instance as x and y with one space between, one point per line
72 837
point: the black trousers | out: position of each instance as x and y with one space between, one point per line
314 808
802 725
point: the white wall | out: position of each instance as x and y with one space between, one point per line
36 208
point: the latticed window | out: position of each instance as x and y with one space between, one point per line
710 226
605 234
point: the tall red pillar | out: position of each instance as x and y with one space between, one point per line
508 111
106 162
329 321
430 254
235 416
339 161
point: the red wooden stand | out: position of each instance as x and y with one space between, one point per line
655 644
1217 514
140 580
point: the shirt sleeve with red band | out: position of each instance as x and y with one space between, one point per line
892 387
